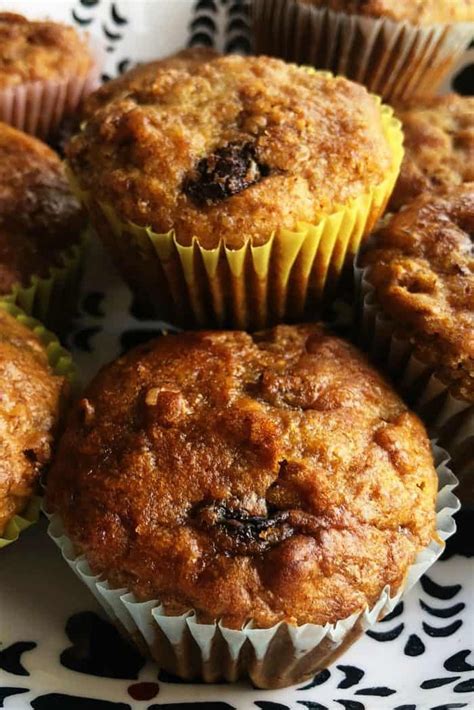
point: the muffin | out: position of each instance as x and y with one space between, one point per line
439 146
33 390
417 306
42 228
234 190
46 69
397 49
274 479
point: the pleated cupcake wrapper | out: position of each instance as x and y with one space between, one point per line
448 417
274 657
292 273
37 107
62 364
396 60
52 298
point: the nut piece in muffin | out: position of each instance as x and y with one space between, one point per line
439 146
31 399
416 12
41 50
40 219
421 267
220 154
274 478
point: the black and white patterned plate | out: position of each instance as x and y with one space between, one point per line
57 652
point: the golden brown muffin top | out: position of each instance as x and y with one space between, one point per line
30 400
439 146
268 477
422 267
32 51
417 12
231 148
39 216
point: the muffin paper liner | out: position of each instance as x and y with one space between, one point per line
37 107
292 273
62 364
274 657
396 60
52 298
449 419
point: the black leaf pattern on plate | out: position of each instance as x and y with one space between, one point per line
438 682
268 705
83 21
217 705
114 36
439 591
442 613
311 705
443 631
457 663
466 686
8 692
203 26
405 707
386 635
10 657
318 679
204 22
123 66
143 691
393 614
116 16
449 706
380 692
206 5
98 649
89 3
57 701
351 704
92 304
353 676
414 646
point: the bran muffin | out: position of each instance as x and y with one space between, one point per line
439 146
31 399
397 49
41 224
419 271
212 175
46 68
273 478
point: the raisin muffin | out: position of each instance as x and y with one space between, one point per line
234 189
439 146
46 68
31 399
418 273
41 228
272 478
397 49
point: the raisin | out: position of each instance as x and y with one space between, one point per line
238 532
226 172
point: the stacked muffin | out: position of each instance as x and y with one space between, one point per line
243 504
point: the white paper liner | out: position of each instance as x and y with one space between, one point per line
448 418
214 652
396 60
37 107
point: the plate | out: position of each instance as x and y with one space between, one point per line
57 651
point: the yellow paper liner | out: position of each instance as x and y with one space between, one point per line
293 273
395 59
62 365
52 298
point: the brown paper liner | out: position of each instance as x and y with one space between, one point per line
294 273
396 60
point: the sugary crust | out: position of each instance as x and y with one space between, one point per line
39 216
439 146
417 12
32 51
30 400
231 148
273 477
422 267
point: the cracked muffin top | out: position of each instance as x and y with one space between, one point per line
39 216
30 400
417 12
32 51
231 148
439 146
421 264
267 477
